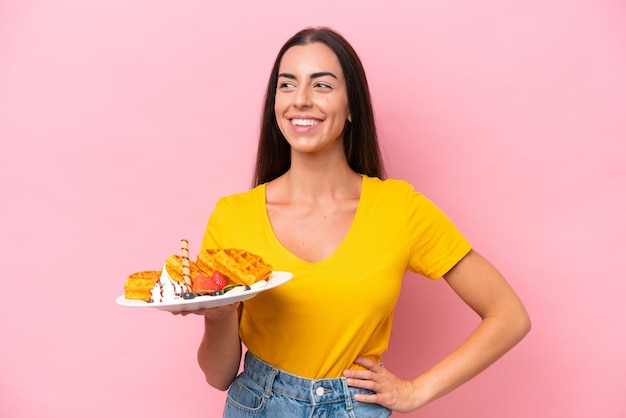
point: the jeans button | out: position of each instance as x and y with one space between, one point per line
319 391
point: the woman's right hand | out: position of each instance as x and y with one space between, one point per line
217 313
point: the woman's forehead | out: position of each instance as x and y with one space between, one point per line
309 59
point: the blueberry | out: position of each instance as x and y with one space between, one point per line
189 295
248 287
217 293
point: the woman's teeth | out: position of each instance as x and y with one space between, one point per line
305 122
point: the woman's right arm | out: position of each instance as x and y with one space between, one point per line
219 354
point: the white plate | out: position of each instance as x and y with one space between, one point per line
277 278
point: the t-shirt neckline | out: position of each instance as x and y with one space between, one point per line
345 242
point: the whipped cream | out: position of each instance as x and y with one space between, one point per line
167 289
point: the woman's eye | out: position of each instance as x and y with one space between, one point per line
285 85
322 86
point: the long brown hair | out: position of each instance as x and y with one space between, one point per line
360 139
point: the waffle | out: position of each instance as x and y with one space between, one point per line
205 262
239 266
174 267
138 285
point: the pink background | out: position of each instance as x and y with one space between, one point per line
122 122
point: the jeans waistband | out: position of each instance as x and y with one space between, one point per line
316 391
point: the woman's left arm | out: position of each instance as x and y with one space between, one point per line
504 323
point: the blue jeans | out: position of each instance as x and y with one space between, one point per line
265 391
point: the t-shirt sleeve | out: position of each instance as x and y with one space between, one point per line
436 245
213 233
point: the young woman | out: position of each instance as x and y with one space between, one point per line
321 209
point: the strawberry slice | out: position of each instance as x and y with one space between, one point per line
204 284
219 279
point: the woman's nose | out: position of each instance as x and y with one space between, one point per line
302 98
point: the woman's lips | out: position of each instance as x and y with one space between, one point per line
305 122
301 124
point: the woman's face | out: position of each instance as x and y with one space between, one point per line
311 99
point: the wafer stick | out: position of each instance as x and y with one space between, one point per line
184 246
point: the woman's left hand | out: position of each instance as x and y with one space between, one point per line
391 392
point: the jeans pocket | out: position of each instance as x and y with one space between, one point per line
246 395
368 410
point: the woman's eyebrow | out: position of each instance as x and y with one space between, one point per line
314 75
323 74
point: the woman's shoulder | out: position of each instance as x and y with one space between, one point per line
242 199
390 185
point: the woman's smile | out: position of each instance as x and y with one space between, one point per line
305 122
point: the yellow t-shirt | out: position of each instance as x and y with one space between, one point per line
342 307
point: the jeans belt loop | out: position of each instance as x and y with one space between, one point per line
269 382
347 394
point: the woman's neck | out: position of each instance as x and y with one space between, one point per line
307 182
